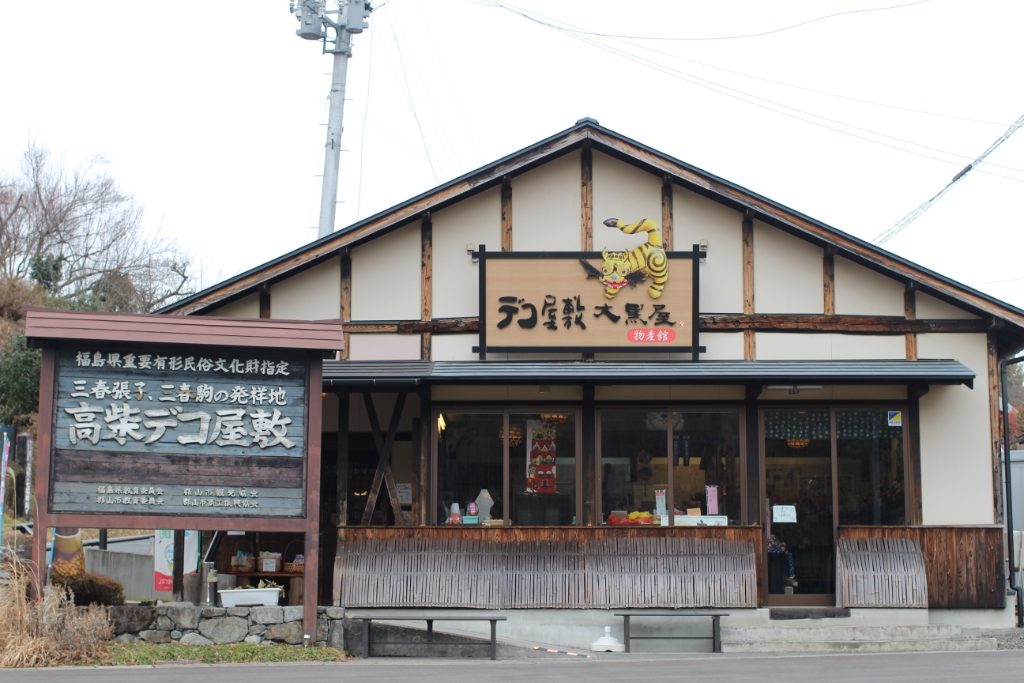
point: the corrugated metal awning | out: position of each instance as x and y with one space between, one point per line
381 373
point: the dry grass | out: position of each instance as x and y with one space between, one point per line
50 631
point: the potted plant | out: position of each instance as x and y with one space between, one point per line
266 593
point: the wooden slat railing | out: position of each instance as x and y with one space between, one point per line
547 567
963 564
880 572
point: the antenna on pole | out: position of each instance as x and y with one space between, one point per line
315 23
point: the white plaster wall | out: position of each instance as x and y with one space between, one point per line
722 345
927 306
246 307
867 346
453 346
384 346
821 346
956 456
696 218
546 207
622 191
787 273
475 220
386 276
791 346
313 294
862 291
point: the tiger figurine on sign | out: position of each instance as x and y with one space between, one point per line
620 268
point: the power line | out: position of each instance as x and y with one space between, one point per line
412 102
910 217
790 27
778 108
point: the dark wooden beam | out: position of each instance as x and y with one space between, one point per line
667 213
587 198
850 324
828 281
749 340
265 301
342 459
910 313
384 444
346 298
426 281
506 213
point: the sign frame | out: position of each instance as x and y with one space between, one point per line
485 345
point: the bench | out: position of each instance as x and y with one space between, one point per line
430 616
716 630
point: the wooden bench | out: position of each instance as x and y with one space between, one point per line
716 629
430 616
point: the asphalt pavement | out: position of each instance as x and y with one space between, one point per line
1001 665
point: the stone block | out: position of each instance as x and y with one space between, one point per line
195 639
290 632
153 636
253 640
176 635
163 623
257 629
224 629
293 613
266 615
131 618
334 612
322 627
336 634
210 612
238 612
184 616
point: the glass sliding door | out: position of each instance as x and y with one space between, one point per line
799 502
870 452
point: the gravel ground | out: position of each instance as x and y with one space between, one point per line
1006 638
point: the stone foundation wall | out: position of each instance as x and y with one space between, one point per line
188 624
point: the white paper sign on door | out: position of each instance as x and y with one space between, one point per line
784 514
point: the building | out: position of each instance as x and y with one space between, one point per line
632 383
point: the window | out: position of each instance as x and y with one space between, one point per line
869 448
539 478
690 457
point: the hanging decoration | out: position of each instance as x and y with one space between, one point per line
541 475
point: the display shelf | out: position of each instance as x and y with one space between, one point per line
270 574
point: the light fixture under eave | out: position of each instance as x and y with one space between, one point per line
441 424
552 419
798 443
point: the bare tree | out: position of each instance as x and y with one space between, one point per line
79 236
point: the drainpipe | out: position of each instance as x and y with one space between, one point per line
1008 496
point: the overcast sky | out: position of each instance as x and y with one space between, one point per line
853 112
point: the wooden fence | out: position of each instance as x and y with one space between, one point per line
549 567
963 564
880 572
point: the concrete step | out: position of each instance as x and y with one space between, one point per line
806 632
846 646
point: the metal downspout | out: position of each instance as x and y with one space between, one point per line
1008 495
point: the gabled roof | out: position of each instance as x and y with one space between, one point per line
588 132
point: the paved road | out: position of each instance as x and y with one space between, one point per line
976 667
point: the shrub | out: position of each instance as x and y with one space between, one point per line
86 588
49 631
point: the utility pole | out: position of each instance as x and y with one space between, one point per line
336 38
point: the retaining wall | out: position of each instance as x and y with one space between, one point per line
191 625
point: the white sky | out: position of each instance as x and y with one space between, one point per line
212 113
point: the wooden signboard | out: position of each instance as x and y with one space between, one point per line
166 422
179 431
558 301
